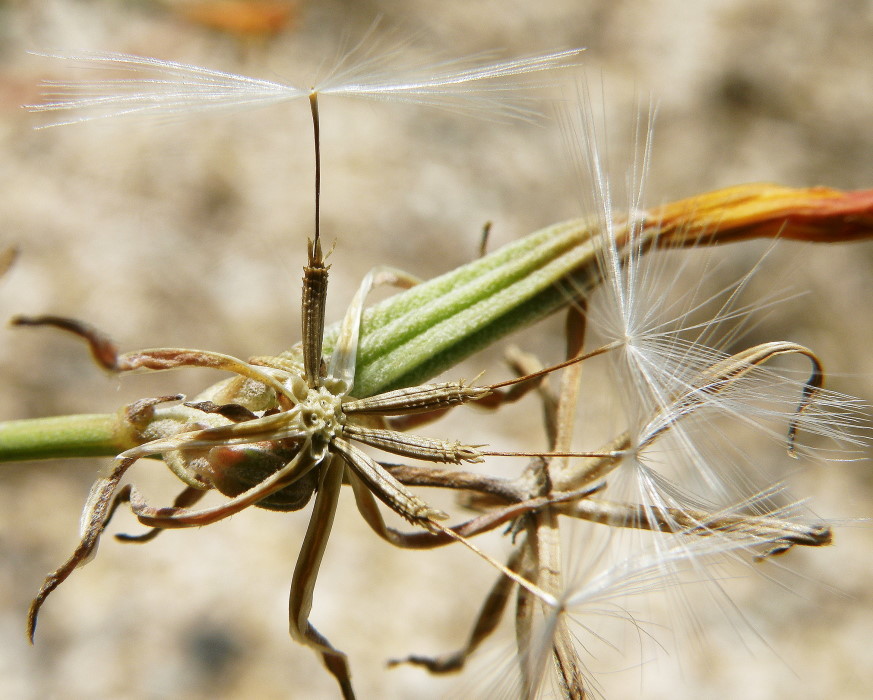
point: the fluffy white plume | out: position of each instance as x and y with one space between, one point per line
158 88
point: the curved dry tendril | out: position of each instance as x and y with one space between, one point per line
184 517
159 359
722 376
98 510
103 350
187 498
737 366
771 530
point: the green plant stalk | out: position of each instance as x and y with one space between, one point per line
414 336
84 435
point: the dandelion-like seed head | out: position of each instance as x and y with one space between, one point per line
674 500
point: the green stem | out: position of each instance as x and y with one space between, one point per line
88 435
412 337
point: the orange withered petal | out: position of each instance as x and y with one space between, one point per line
764 210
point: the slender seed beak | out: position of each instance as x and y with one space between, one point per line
313 104
314 276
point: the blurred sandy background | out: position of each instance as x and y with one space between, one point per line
193 234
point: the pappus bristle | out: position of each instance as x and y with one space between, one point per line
152 87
